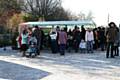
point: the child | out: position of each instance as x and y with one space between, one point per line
82 46
32 51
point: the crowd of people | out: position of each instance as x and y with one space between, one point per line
84 40
28 38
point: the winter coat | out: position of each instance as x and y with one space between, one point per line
111 35
76 35
62 38
89 36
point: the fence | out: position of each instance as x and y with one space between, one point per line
5 40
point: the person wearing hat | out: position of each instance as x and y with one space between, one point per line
111 35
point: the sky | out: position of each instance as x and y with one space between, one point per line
99 8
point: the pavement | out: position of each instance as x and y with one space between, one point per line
48 66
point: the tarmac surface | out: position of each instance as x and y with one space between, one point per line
48 66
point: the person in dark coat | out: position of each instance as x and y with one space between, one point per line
116 45
42 39
102 38
69 40
38 35
83 32
96 39
111 36
58 30
76 38
65 28
53 41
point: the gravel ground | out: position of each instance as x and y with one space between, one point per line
72 66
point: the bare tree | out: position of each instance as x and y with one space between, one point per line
59 15
83 16
41 8
90 16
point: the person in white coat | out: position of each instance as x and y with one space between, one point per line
53 41
89 38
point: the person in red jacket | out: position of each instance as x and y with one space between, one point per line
62 40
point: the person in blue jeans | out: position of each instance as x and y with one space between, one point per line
89 38
90 46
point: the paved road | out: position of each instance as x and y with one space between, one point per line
72 66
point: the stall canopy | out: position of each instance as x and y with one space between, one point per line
61 23
49 24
